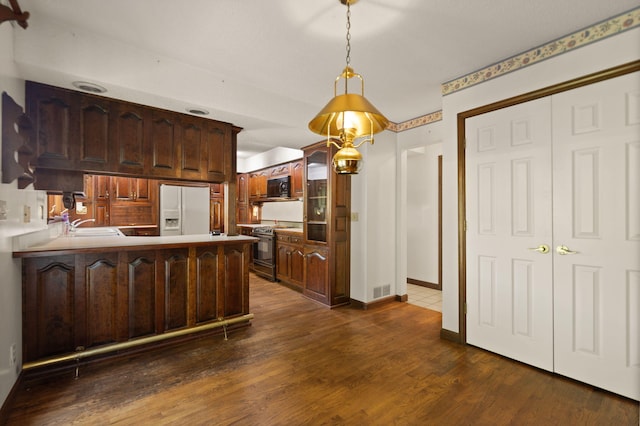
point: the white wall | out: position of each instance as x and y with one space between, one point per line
269 158
422 213
373 236
428 139
609 52
11 282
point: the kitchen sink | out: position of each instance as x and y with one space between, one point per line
102 231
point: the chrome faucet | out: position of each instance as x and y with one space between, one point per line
73 225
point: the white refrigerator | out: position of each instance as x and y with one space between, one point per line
184 210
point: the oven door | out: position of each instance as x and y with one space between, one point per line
263 250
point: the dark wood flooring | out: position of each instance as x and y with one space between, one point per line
303 364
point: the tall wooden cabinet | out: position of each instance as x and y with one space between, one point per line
327 211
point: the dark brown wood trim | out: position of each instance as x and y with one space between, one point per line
378 302
424 284
462 236
586 80
439 222
8 402
451 336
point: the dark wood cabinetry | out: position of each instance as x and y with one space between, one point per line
216 207
76 131
129 137
79 301
258 185
242 204
133 201
327 211
94 133
290 258
297 179
163 144
54 116
115 201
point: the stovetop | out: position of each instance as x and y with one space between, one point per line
263 230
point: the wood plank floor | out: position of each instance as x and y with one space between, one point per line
303 364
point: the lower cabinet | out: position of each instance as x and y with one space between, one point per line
316 273
290 260
78 301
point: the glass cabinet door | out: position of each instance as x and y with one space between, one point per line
316 208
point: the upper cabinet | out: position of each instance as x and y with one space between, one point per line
129 137
75 131
258 181
54 116
297 179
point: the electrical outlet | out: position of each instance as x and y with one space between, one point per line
3 210
355 216
27 214
12 355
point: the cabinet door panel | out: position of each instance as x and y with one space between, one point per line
49 307
297 179
176 277
243 188
54 114
142 189
316 273
102 299
296 265
192 149
141 278
94 134
216 210
217 137
129 138
122 188
207 280
282 260
235 300
164 145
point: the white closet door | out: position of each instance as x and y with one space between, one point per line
509 285
596 196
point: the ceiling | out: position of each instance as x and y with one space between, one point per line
269 66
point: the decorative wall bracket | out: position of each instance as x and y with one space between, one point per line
13 14
16 136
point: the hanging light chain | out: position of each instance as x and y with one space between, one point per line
348 33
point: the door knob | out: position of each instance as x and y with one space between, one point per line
563 250
542 248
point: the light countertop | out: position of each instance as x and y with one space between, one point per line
68 244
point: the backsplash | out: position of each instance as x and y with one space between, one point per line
283 211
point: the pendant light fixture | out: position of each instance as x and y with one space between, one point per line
349 119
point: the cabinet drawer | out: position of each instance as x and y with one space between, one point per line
295 239
284 238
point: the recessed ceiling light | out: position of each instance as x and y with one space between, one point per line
198 111
89 87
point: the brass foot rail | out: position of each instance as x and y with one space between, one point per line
82 353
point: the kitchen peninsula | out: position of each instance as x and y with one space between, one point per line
86 296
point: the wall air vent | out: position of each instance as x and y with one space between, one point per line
381 291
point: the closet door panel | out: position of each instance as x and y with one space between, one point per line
509 286
596 140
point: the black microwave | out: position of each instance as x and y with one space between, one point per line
279 187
